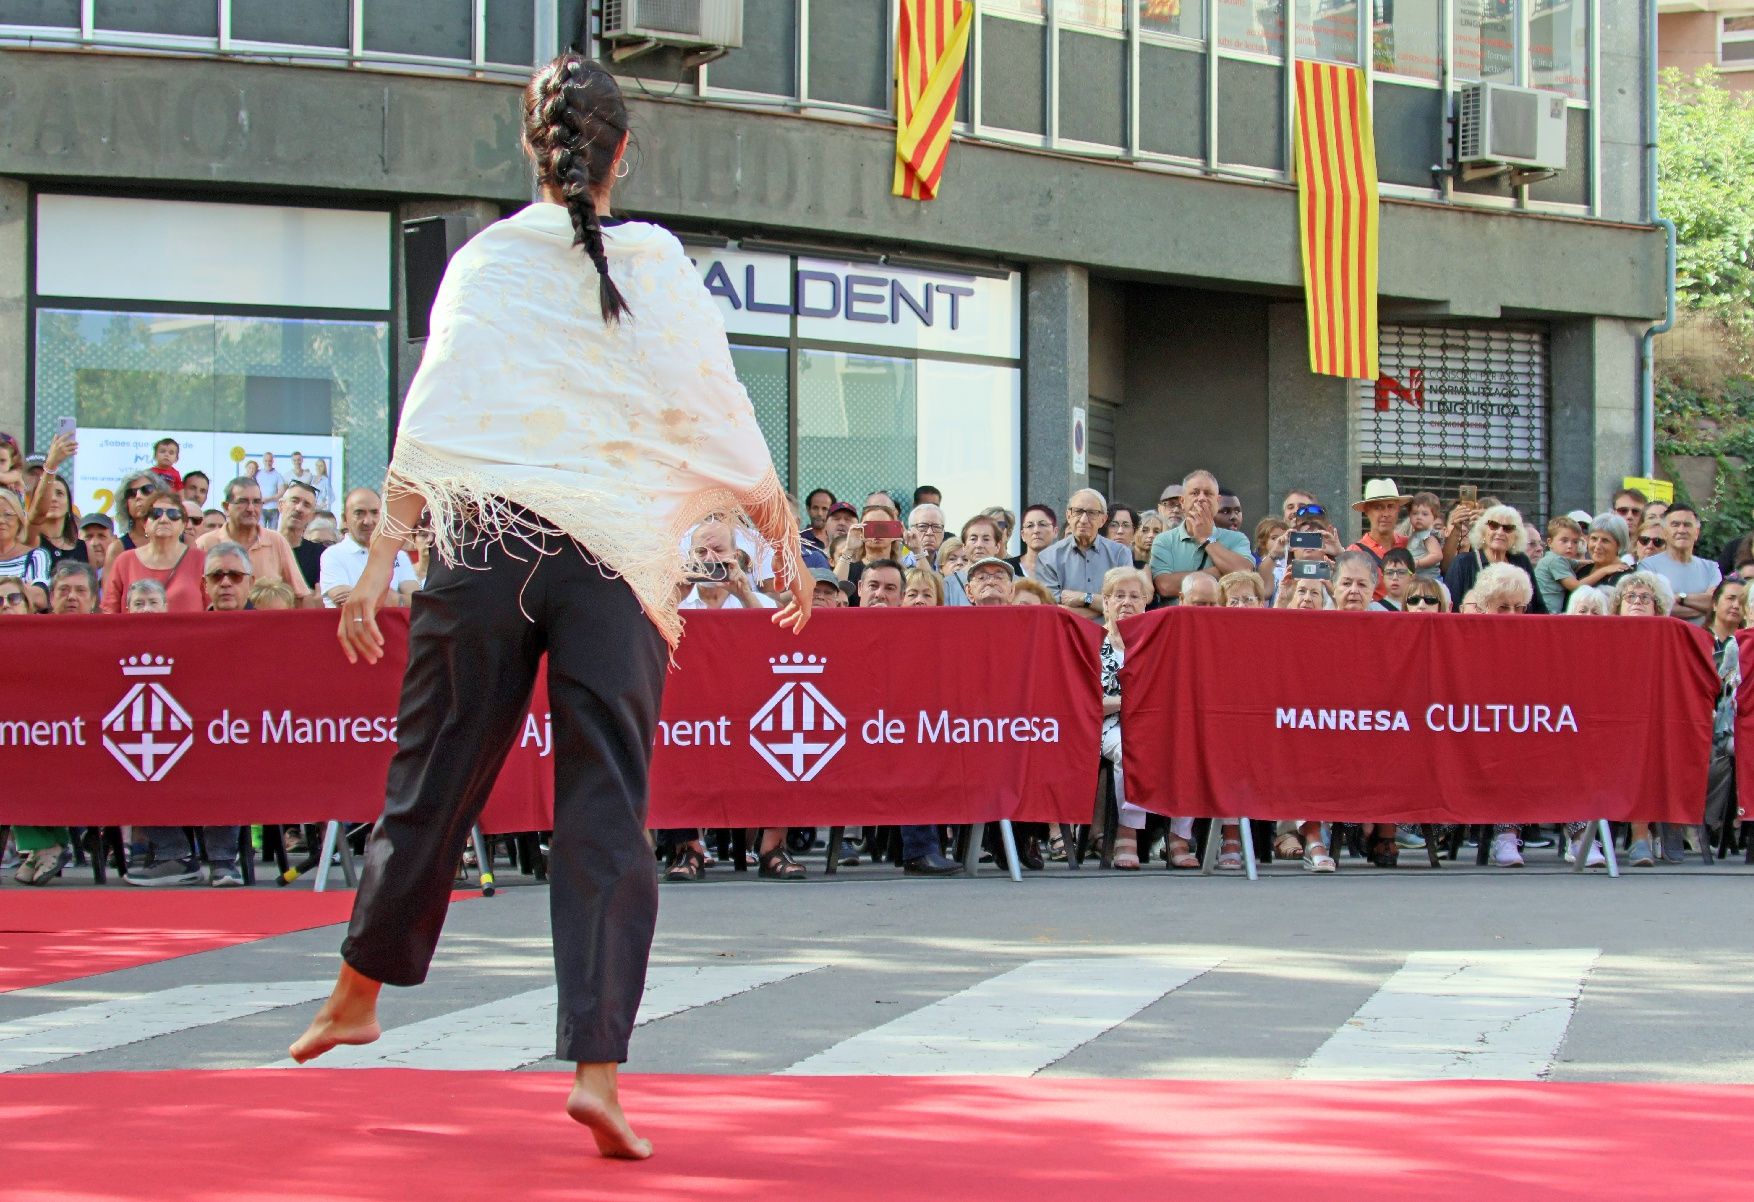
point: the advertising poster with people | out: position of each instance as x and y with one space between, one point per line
272 460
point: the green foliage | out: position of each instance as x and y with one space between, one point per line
1717 423
1705 169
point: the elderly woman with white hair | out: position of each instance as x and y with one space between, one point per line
1497 537
1644 595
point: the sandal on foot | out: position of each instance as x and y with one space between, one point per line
1288 847
689 864
1384 852
778 865
1126 857
1230 855
1177 854
1317 859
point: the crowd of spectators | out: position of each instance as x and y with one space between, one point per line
265 540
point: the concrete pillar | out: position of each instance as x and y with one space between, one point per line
14 336
1056 375
1594 420
408 356
1312 423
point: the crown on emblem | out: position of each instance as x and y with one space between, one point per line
146 665
798 664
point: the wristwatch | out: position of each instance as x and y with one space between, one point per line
1089 601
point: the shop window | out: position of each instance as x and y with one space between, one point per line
1404 38
1559 46
1176 18
1484 45
1328 30
856 430
1256 26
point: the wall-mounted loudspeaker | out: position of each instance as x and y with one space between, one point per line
427 245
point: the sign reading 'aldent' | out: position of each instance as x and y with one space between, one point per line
1487 718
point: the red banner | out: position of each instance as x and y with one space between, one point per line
1377 717
1745 723
891 716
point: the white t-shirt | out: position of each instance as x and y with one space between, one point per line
1697 575
344 563
694 601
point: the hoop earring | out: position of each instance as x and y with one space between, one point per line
621 169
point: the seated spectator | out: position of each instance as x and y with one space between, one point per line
162 556
15 601
830 591
1693 577
1041 529
96 530
273 594
1030 592
881 584
1150 526
344 563
1243 590
18 558
1496 536
990 582
1201 592
1397 573
1123 521
924 587
849 565
925 533
1073 568
1652 540
229 576
714 546
1125 594
1198 544
982 538
1424 538
1503 588
1586 599
73 588
41 848
1355 581
951 557
1643 594
1305 593
1301 839
146 597
1425 596
268 551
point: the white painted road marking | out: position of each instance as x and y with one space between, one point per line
1014 1024
1498 1015
519 1030
101 1026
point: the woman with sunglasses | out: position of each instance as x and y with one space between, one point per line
161 555
1497 536
1653 539
1424 596
132 500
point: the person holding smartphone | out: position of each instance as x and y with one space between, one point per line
876 535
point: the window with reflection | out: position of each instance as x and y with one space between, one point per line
1179 18
1328 30
1257 26
1559 46
1099 14
1404 38
1485 41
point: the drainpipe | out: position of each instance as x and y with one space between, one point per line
1647 348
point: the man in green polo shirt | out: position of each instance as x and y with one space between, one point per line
1199 544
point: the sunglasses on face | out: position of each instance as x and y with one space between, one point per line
1638 599
10 599
165 515
1651 542
1310 511
1501 527
227 576
1421 601
140 490
1628 511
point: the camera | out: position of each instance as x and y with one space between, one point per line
1311 569
1306 540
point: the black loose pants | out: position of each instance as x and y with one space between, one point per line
477 637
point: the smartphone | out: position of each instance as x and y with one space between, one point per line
1469 492
1306 540
67 427
1311 569
709 573
882 529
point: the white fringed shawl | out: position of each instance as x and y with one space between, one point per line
623 436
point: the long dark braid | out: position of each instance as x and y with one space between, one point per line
574 121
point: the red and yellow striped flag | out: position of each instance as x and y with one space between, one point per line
1335 159
931 47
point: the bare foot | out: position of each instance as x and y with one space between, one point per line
350 1016
595 1102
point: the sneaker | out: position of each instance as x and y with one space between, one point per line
225 876
1409 839
1672 844
849 854
1638 855
1505 853
1595 859
169 872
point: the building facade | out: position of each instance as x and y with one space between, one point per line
201 204
1708 33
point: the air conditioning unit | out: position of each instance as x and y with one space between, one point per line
1512 127
706 26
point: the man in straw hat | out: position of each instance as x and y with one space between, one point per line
1381 508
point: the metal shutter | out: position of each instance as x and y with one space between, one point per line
1101 453
1460 405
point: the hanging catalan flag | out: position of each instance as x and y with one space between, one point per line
931 46
1335 161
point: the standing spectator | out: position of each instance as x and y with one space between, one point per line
1197 545
195 486
1169 506
849 565
1535 544
146 597
1656 511
1629 503
882 500
1728 612
298 505
162 556
1007 523
1295 500
1039 531
925 533
269 553
1381 508
982 538
928 494
840 519
1073 569
133 495
1652 539
816 506
1693 577
1495 537
1271 535
17 557
96 531
11 464
1123 520
1150 526
951 557
1424 539
325 529
165 453
1229 515
924 588
273 485
1607 545
343 563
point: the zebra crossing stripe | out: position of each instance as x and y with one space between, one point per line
1014 1024
1498 1015
518 1030
101 1026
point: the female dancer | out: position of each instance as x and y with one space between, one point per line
575 414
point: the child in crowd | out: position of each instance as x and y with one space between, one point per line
1397 574
165 453
272 594
1556 574
1424 543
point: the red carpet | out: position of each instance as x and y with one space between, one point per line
397 1134
59 934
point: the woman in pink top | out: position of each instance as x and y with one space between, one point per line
162 556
